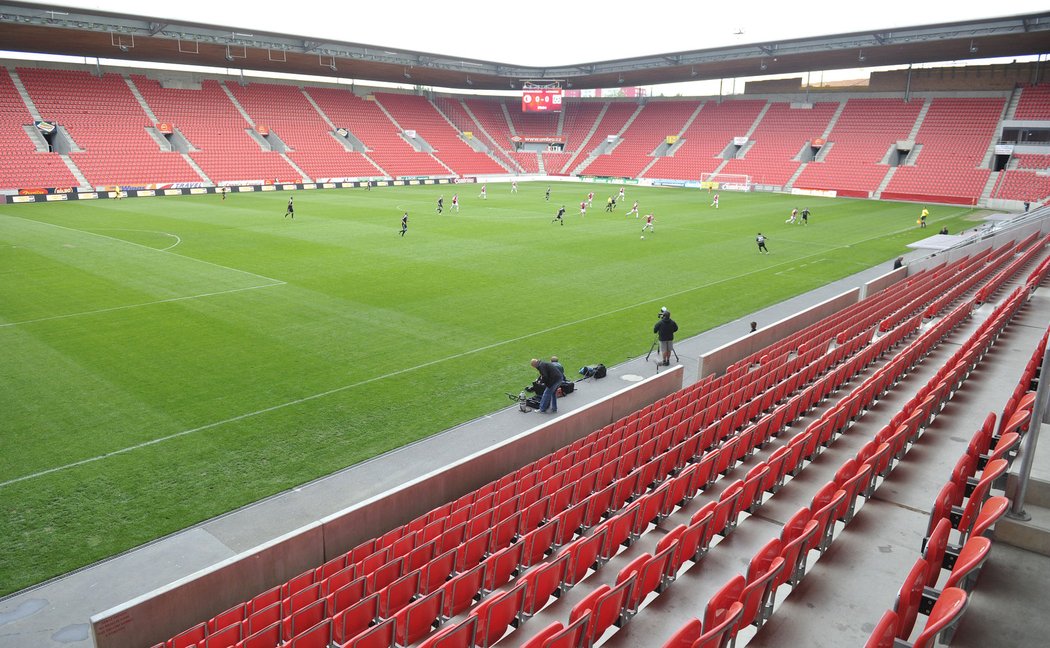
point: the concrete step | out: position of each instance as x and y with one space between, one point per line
1031 535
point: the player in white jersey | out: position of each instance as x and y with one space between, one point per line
634 210
583 208
648 223
714 203
484 192
455 202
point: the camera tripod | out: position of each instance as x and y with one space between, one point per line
656 343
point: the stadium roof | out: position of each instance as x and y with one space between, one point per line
26 27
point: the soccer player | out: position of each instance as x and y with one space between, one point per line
514 186
291 209
547 196
484 195
583 208
648 223
441 204
922 217
560 214
609 204
223 191
455 202
794 216
805 215
714 203
761 240
590 198
404 224
634 210
621 194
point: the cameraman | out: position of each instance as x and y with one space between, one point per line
665 328
552 378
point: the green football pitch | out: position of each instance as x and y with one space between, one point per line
167 360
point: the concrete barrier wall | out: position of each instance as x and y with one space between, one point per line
159 615
879 284
717 360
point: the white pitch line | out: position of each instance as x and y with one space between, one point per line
146 247
121 229
336 390
129 306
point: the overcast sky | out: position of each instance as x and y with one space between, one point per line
560 32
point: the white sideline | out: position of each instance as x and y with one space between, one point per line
398 372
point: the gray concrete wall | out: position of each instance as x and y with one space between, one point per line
717 360
879 284
161 614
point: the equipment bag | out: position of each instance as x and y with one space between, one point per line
567 387
593 371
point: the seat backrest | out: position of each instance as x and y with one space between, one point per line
885 631
538 640
936 545
461 590
571 636
542 582
793 527
723 599
495 615
942 505
720 633
355 619
763 558
460 635
380 635
415 620
909 597
949 607
756 593
971 557
267 637
993 509
685 635
318 636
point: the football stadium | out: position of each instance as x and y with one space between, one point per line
314 343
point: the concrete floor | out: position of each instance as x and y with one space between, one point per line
837 603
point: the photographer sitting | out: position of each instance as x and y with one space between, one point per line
665 328
552 379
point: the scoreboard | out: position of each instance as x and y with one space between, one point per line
541 100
